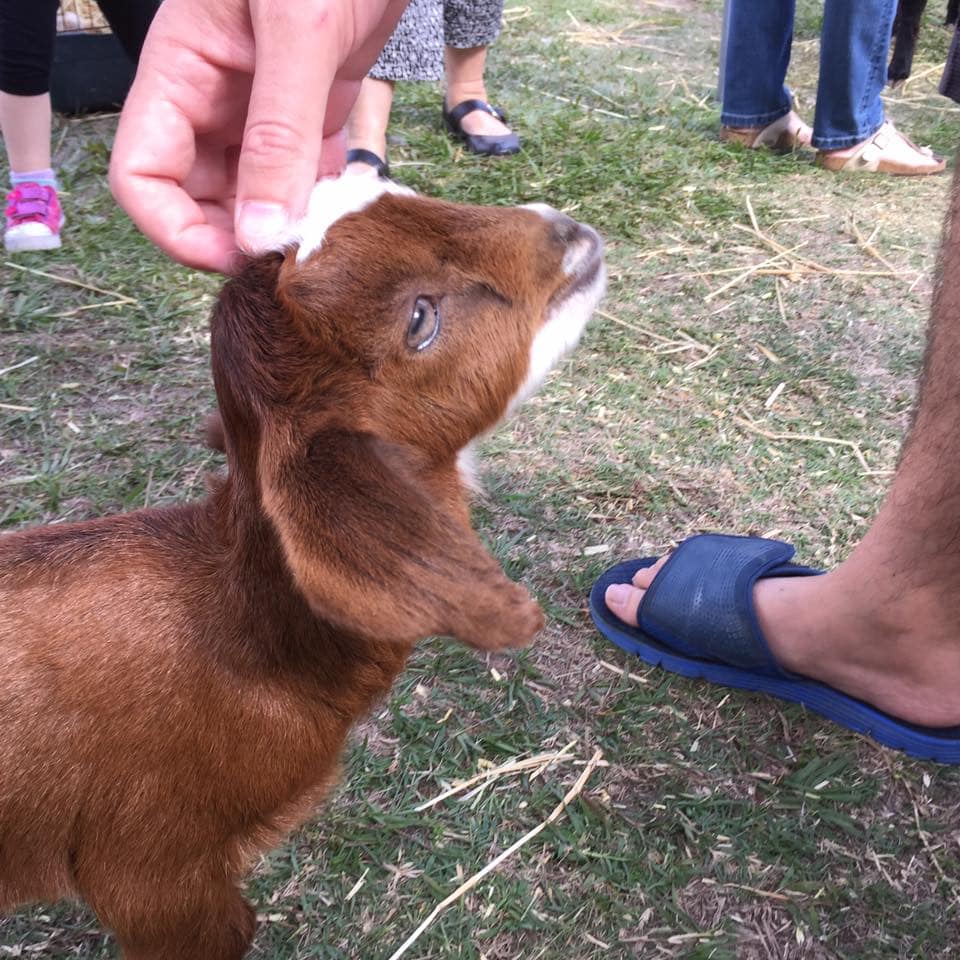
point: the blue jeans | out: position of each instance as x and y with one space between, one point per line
854 43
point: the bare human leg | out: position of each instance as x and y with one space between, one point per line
464 72
884 626
367 126
25 124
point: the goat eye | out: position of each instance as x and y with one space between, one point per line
424 324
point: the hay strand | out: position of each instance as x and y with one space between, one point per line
119 297
866 245
622 671
808 438
635 327
541 760
17 366
469 884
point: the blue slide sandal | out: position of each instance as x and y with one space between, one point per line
697 619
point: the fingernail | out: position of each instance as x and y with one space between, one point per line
262 226
618 594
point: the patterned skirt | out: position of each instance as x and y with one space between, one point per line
415 51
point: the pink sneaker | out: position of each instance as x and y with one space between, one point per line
34 218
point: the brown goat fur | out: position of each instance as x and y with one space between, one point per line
177 683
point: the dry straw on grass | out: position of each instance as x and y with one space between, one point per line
17 366
16 407
538 764
810 438
787 262
469 884
118 298
513 14
681 342
595 36
622 671
799 265
583 106
588 35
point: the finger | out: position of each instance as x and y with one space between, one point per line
155 152
155 199
624 601
213 176
310 59
296 61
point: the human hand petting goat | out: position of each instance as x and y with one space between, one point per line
238 107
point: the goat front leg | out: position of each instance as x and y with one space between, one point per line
191 925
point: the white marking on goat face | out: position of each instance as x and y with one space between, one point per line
566 320
332 199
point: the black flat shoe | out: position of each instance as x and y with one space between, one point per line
359 155
491 146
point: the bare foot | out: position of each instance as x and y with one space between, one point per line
359 169
869 630
370 150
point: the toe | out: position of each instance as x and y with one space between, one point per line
644 576
623 600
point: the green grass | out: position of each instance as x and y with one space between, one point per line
722 825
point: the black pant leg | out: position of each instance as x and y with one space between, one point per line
129 20
27 29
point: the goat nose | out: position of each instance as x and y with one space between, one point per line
584 248
567 229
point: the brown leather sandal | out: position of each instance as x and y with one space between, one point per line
874 156
782 136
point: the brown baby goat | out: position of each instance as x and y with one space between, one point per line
176 684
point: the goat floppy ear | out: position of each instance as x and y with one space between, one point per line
376 548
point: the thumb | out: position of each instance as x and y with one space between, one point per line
298 49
